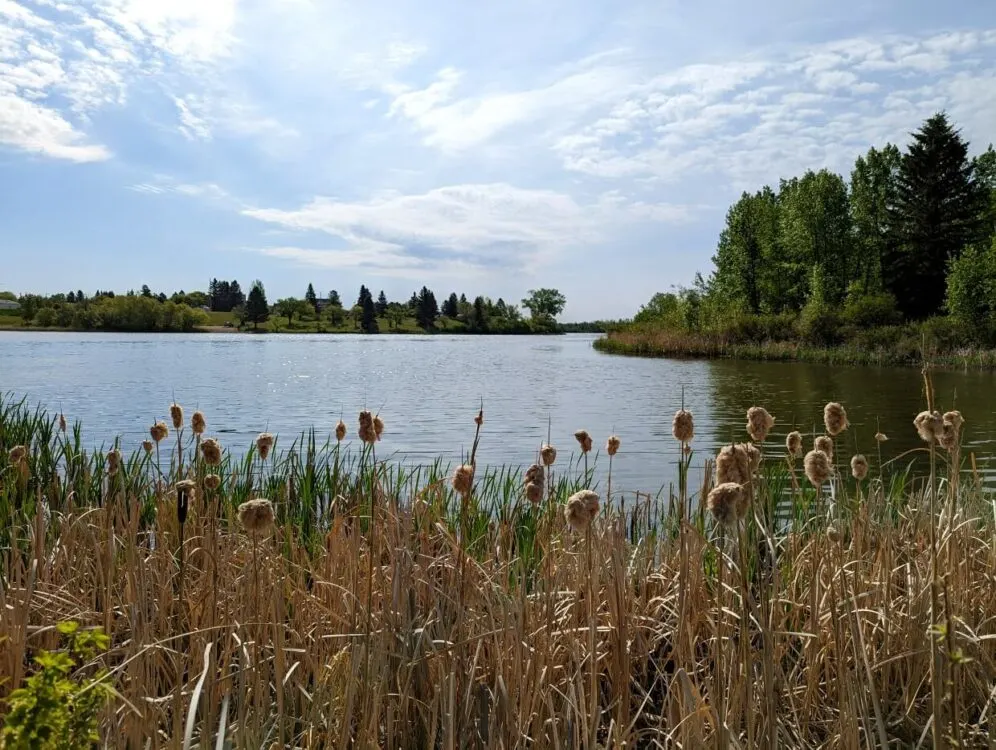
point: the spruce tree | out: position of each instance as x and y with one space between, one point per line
368 321
257 309
381 305
311 298
937 212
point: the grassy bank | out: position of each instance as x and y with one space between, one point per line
383 609
656 342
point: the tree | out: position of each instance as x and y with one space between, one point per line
146 292
336 315
368 318
449 308
80 297
937 212
334 300
971 292
71 297
311 298
30 304
872 190
356 314
427 310
381 303
290 306
364 293
396 313
257 310
985 171
544 303
479 318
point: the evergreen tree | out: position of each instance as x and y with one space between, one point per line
146 292
479 321
368 320
427 309
235 296
80 297
311 298
938 210
334 300
257 310
463 299
450 306
364 293
413 303
71 297
381 305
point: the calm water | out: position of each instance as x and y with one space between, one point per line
428 389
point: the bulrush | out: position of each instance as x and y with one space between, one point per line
340 431
256 515
176 414
835 418
184 494
534 492
197 423
17 454
759 423
581 509
929 426
881 437
825 444
817 465
463 479
212 482
859 467
147 446
548 454
211 450
264 444
951 434
479 419
159 431
62 422
367 432
683 426
732 465
724 502
584 440
793 444
612 445
378 426
113 462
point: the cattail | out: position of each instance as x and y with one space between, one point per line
612 445
113 462
368 433
340 430
212 481
753 456
723 502
759 423
835 418
951 435
211 450
584 440
159 431
929 425
683 426
197 423
256 515
534 492
147 446
580 510
548 454
833 533
590 502
17 454
463 479
881 437
732 465
793 444
824 444
817 464
378 426
184 493
534 474
479 419
264 442
859 467
62 422
176 414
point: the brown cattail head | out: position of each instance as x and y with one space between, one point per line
368 433
211 450
378 426
479 419
256 515
534 492
17 454
817 464
859 467
835 418
463 479
733 465
584 440
881 437
159 431
793 444
951 436
147 446
548 454
825 444
929 425
185 489
62 422
534 475
683 426
759 423
612 445
197 423
113 462
724 502
581 509
212 481
176 414
264 444
340 430
833 533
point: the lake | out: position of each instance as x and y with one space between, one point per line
428 390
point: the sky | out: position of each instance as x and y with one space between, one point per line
483 147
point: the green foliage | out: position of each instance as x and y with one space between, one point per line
256 309
820 325
544 304
45 317
58 707
871 310
971 292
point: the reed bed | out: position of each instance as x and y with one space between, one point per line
321 596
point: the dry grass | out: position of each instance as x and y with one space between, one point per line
463 624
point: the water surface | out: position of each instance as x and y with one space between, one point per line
428 389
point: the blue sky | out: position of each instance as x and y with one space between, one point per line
482 147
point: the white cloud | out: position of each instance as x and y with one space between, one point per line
40 130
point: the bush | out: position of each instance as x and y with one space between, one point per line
871 311
45 317
820 325
946 334
757 329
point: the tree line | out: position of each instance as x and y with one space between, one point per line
909 237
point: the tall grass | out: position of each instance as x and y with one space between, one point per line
485 621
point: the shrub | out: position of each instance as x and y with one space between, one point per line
45 317
872 310
820 325
946 334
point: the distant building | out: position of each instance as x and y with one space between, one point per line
8 304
